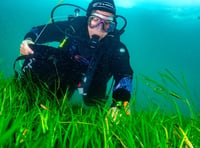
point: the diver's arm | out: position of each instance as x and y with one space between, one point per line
123 74
55 31
47 33
42 34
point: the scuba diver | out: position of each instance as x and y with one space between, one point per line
90 54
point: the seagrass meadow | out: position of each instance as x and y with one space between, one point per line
162 37
36 119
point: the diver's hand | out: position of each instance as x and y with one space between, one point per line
114 114
118 110
25 49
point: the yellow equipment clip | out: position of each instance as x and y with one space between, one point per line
63 42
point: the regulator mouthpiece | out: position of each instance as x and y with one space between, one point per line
94 41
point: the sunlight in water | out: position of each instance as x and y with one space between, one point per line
167 2
125 3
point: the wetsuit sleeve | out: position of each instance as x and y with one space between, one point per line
123 74
48 33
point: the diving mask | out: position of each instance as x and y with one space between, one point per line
108 24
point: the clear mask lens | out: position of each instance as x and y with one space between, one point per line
108 25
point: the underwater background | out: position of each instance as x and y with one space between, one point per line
159 36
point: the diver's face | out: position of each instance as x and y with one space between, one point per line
100 23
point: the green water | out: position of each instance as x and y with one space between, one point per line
157 37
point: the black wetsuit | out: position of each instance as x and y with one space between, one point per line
76 54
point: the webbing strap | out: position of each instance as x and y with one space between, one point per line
22 57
